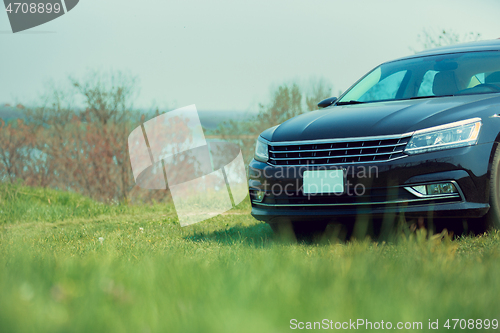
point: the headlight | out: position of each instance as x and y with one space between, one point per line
261 151
453 135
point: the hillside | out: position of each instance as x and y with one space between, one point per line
70 264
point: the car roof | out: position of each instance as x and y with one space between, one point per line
484 45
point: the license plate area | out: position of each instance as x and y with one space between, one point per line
323 182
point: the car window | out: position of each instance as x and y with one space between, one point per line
462 73
386 88
427 83
475 80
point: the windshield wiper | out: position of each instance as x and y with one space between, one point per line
388 100
430 96
349 102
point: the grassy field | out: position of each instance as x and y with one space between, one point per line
68 264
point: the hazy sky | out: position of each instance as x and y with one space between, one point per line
226 55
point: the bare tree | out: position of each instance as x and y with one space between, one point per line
319 89
16 148
107 96
429 39
82 134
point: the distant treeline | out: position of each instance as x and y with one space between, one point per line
62 145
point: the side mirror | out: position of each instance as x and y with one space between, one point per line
327 102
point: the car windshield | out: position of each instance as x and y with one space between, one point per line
429 76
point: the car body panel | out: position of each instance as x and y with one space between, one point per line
383 118
388 190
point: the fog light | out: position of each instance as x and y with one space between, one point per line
257 196
433 189
443 188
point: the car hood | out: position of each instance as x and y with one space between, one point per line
380 118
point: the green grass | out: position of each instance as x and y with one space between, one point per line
227 274
24 204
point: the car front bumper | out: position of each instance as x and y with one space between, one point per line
378 189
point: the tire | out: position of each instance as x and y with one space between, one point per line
492 219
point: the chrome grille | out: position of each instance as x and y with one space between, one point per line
359 150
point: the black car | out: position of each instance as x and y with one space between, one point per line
416 136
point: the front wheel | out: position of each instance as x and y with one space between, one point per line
492 219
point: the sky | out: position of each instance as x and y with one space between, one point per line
225 55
